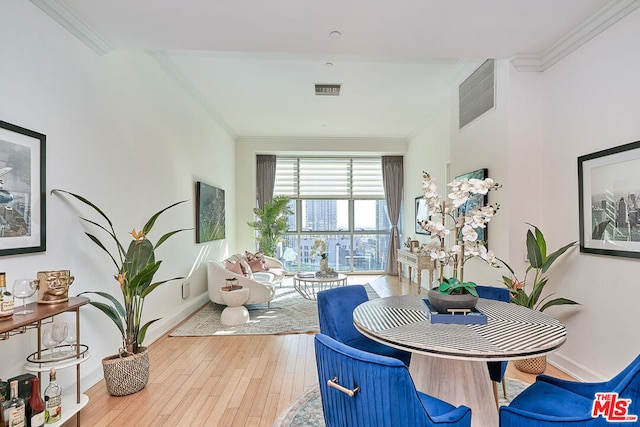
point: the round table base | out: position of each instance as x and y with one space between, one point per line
459 382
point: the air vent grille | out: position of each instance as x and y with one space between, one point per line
327 89
477 93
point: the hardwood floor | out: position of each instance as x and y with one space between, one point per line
227 381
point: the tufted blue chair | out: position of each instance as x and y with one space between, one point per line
496 369
335 313
555 402
385 395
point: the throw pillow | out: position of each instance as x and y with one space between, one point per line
234 267
256 261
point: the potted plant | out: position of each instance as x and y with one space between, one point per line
455 292
539 262
271 224
127 371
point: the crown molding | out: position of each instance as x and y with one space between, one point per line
603 19
165 63
60 13
319 140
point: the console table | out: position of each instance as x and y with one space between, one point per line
418 261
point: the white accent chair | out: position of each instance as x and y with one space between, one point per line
261 284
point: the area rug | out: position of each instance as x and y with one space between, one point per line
288 313
306 410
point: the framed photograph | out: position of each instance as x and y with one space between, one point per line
609 201
422 214
476 201
210 222
22 190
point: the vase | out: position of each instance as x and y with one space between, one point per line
534 365
443 302
126 374
324 265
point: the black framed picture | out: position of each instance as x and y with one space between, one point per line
210 220
422 214
609 200
22 190
476 201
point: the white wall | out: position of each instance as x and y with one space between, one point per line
530 143
591 98
122 133
429 152
484 144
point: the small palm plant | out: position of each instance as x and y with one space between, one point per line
539 262
135 270
271 223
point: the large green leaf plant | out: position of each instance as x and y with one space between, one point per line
539 263
271 223
136 267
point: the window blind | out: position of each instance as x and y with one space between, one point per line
332 178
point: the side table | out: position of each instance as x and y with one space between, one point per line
234 313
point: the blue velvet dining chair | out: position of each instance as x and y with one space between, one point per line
555 402
335 314
496 369
361 389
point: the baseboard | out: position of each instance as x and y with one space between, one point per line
162 327
573 368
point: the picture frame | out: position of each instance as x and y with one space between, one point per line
609 201
22 190
476 200
422 214
210 213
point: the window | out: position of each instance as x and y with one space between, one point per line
337 200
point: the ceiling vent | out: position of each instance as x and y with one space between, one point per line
476 95
328 89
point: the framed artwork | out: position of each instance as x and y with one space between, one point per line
210 222
476 201
609 201
22 190
422 214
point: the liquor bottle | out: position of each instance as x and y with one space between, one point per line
13 409
52 400
6 299
35 406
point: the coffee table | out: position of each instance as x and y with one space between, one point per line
309 286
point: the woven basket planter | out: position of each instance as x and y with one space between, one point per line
535 365
126 375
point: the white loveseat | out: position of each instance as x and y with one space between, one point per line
261 284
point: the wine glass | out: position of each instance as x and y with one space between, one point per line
59 332
47 339
23 289
71 338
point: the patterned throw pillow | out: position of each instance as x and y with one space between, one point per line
256 261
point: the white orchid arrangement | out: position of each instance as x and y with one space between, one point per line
467 219
319 248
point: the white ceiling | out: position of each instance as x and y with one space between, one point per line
253 63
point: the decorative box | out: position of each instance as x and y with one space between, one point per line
475 317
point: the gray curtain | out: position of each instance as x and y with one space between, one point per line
393 181
265 178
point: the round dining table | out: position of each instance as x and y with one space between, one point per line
448 361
